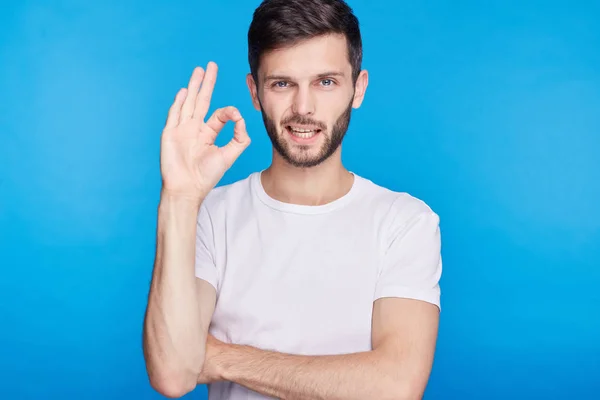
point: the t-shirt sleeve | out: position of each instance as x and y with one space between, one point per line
205 265
412 262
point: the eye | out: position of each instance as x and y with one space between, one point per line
280 84
327 82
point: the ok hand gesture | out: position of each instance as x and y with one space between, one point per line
191 164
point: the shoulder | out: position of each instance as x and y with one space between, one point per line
228 196
395 207
407 226
393 201
232 191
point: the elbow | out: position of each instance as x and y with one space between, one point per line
173 385
397 387
169 377
406 390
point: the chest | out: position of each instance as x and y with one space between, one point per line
302 287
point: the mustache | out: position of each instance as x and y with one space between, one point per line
303 120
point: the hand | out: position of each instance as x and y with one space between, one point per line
191 163
212 367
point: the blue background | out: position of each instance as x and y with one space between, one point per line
488 112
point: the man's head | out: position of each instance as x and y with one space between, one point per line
305 61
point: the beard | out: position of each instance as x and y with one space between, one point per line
302 157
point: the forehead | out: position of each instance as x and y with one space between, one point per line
308 57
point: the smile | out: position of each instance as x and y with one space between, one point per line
302 133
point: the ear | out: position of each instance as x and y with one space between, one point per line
360 88
253 91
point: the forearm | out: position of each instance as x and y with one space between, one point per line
173 334
366 375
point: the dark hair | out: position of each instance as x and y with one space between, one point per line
281 23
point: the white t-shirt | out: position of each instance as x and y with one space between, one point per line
302 279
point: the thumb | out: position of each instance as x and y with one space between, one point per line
236 146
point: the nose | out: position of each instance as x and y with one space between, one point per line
303 104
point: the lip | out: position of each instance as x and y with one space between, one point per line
300 140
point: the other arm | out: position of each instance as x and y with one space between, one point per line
398 367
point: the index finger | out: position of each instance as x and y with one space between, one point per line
206 91
219 118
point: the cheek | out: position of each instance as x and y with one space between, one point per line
337 112
275 109
275 115
335 103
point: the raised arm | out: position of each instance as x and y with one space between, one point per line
180 306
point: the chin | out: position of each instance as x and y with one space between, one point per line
305 159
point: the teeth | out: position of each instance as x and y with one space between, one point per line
302 133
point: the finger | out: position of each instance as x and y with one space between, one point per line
221 116
187 110
175 109
236 146
206 91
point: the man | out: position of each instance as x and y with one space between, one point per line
302 281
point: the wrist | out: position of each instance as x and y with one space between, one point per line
230 356
181 200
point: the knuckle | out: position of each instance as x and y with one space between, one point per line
221 114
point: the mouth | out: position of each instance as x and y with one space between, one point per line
302 133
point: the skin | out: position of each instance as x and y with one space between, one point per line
180 306
294 86
312 82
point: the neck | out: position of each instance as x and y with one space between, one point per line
313 186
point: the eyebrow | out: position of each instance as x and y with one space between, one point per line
289 78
